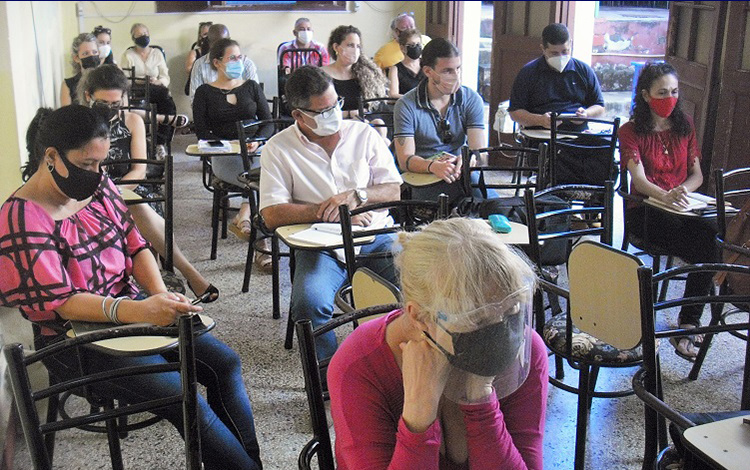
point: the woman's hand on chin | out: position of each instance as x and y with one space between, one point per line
425 372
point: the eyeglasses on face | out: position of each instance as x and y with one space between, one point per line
232 58
326 113
106 104
444 127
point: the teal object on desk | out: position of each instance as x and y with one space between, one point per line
499 223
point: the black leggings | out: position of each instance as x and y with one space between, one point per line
690 238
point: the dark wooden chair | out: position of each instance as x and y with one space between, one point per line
320 444
40 436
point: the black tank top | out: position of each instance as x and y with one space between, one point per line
72 84
350 91
407 81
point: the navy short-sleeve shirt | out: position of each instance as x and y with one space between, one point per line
539 88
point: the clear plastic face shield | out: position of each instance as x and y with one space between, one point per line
491 341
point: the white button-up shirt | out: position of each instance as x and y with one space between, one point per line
295 170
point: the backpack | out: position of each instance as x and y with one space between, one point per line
738 233
554 252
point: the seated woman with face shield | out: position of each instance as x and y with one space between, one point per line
457 379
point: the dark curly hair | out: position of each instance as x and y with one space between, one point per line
104 77
70 127
371 79
641 116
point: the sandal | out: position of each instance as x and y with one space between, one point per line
684 347
241 230
697 339
211 294
178 121
264 262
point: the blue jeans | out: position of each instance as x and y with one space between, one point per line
318 275
225 416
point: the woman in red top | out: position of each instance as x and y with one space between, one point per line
660 151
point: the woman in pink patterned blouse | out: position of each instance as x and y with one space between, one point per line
68 250
457 379
660 151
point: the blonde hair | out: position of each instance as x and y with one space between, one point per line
458 265
140 25
76 46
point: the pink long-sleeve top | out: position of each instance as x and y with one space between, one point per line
367 399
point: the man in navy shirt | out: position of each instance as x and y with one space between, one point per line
555 82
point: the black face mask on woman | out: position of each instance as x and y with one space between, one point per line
80 184
105 111
414 51
90 62
142 41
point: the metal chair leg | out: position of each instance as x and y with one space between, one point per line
583 415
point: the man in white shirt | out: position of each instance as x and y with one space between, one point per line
307 171
202 71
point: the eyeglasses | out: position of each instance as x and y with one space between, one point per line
106 104
326 113
444 127
233 58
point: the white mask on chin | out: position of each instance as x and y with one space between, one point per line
558 62
305 37
328 125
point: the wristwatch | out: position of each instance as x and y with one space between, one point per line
361 196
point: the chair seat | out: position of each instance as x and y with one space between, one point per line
586 348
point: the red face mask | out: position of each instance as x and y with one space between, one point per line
663 106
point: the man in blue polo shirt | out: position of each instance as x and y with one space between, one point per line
555 82
434 120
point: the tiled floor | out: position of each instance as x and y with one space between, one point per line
273 374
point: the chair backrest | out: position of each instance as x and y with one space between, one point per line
408 214
377 108
316 396
548 216
166 182
148 112
258 131
603 283
491 177
600 138
298 58
140 88
369 289
647 382
26 398
730 187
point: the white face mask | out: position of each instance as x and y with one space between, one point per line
352 54
558 62
104 51
328 125
305 37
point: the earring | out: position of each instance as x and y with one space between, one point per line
50 166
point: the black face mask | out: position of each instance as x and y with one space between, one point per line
80 184
487 351
142 41
90 62
105 111
414 51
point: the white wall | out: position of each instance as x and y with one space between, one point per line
583 33
31 40
469 46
